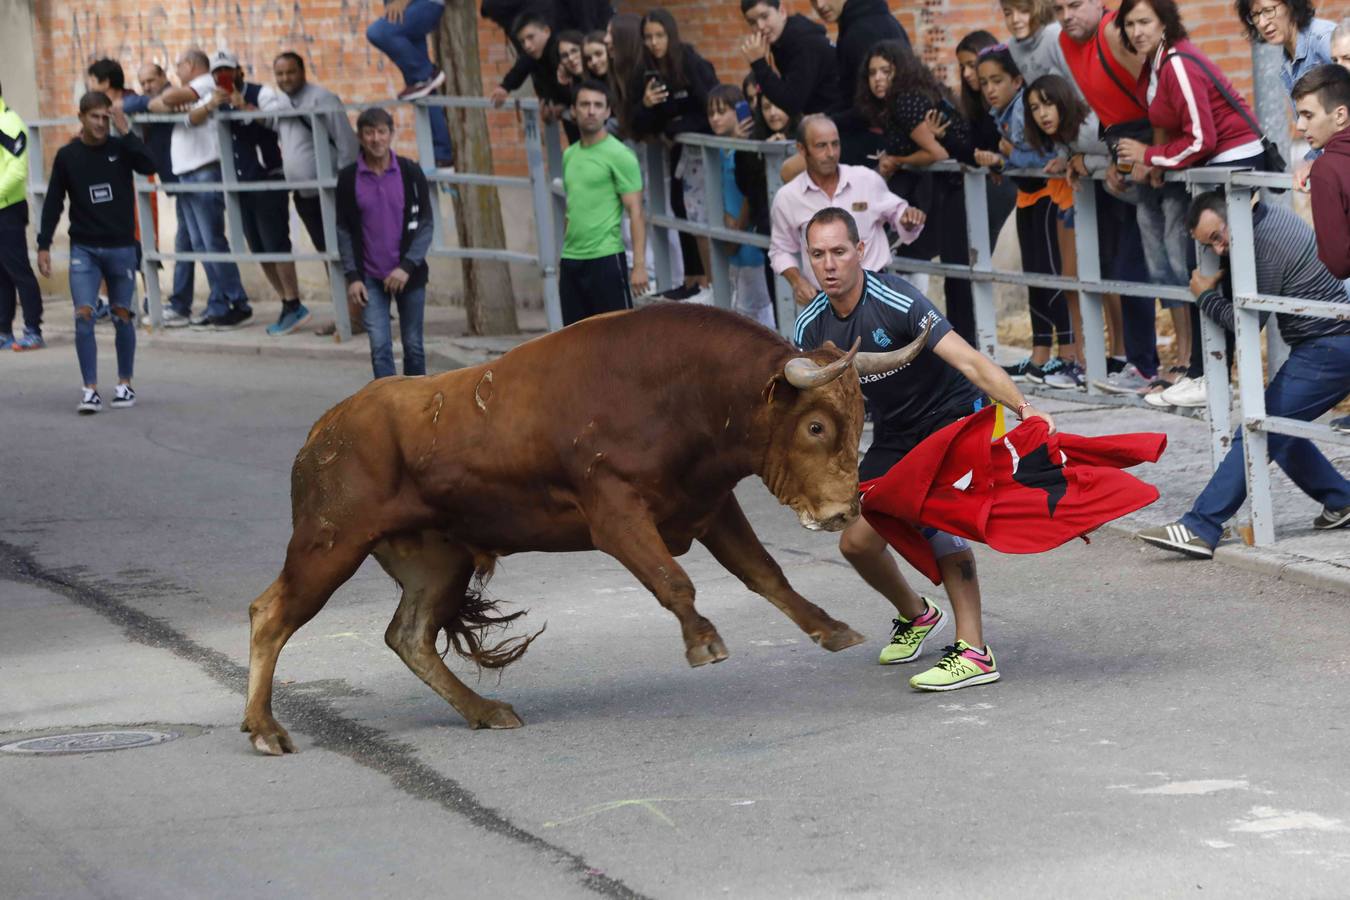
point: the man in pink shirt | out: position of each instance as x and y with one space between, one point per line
825 183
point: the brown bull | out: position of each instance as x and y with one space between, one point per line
624 433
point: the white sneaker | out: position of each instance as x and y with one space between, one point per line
174 319
1186 392
124 397
90 403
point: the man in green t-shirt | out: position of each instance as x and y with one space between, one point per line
602 180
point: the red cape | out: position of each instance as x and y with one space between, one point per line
1026 492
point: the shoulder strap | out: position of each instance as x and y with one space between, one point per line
1232 101
1106 65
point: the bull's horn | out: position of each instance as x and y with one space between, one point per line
803 373
875 363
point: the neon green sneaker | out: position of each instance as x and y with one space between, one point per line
909 635
961 666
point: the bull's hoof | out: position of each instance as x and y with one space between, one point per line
839 639
498 715
713 651
269 739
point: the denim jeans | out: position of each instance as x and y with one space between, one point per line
205 214
116 266
405 43
1119 243
1313 380
183 272
376 316
1161 215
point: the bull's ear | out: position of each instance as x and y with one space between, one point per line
777 385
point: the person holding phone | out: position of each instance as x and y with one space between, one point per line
729 116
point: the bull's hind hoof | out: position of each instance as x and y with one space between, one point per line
499 715
714 651
270 740
839 639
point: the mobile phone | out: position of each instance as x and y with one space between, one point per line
225 80
652 75
742 111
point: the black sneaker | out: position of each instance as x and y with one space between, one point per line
1330 518
235 318
1024 371
1114 365
124 397
90 403
200 321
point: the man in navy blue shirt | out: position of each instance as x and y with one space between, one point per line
947 381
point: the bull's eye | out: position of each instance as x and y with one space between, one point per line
817 428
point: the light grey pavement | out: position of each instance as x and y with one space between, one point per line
1164 727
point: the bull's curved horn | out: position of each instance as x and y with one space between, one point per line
875 363
803 373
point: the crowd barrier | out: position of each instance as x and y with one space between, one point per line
326 184
543 147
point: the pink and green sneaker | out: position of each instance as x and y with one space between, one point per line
909 635
961 666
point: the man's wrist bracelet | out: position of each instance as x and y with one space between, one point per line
1023 405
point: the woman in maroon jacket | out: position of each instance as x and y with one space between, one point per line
1198 119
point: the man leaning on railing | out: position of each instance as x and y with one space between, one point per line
1313 380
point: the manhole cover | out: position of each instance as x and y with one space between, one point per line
89 741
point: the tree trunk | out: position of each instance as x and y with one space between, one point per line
489 301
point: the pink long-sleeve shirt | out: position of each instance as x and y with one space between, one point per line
862 192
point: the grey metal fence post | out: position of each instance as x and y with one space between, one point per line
426 151
981 260
234 220
1218 397
657 189
149 250
326 166
720 255
785 302
1272 100
544 233
553 147
1089 269
1247 323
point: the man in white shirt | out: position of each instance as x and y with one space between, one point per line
195 153
825 183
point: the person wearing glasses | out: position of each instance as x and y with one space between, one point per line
1292 26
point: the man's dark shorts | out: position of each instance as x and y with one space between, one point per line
267 221
890 445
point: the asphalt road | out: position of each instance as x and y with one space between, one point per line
1161 729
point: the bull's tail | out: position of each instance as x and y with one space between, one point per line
477 618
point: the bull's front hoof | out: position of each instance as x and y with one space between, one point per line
840 639
713 651
269 739
500 715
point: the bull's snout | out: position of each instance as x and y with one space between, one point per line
834 517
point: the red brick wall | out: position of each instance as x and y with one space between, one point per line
330 34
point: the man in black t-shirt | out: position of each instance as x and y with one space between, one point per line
947 381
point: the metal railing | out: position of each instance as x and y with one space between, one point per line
326 184
1089 285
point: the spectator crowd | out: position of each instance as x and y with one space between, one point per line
1072 89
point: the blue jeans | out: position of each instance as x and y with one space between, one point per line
376 317
181 298
205 214
405 43
117 267
1313 380
1161 215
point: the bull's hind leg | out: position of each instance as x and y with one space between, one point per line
309 577
434 574
622 527
734 544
